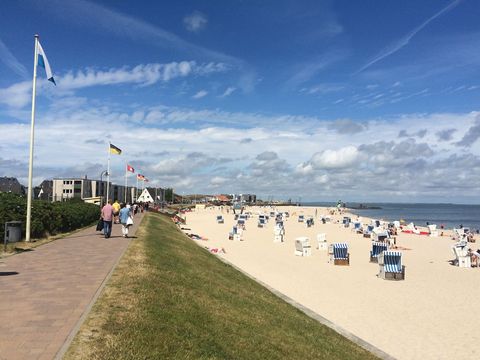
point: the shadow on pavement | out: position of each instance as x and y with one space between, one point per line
8 273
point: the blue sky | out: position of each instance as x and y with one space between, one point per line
367 101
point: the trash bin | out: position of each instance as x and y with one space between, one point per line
13 231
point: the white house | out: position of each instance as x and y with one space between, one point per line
145 196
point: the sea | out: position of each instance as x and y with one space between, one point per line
449 215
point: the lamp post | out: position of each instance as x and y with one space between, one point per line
104 172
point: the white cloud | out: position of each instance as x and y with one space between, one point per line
11 61
195 21
206 153
143 74
200 94
19 95
329 159
228 91
304 169
92 15
322 89
304 72
218 180
321 179
397 45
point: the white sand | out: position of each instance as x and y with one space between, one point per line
433 314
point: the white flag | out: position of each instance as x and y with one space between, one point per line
43 62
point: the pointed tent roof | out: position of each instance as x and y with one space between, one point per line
145 196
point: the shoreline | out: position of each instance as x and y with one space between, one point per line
391 315
450 215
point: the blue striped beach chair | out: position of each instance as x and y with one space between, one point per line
377 249
368 232
339 254
357 227
390 263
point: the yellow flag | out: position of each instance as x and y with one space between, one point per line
115 150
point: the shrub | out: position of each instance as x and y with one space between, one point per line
47 218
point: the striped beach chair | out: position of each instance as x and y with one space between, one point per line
377 249
390 263
339 254
357 227
261 222
367 233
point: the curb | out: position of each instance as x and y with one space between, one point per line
62 351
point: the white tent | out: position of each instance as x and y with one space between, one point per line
145 197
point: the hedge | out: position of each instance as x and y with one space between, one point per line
47 218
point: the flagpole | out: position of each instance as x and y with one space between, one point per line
32 128
126 182
108 174
136 190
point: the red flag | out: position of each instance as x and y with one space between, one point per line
140 177
145 179
131 169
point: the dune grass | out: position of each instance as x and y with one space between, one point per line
170 299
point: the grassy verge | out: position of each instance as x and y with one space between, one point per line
168 298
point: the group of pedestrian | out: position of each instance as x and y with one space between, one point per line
116 213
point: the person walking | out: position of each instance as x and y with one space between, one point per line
125 219
116 211
107 217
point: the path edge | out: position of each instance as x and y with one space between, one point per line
68 341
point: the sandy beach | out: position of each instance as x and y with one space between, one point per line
432 314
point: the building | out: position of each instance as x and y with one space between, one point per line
64 189
90 190
11 185
245 198
44 191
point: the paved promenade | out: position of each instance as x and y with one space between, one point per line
45 292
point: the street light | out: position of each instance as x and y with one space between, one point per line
104 172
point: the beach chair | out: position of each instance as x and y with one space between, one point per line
357 227
279 233
241 224
377 249
432 230
322 242
232 233
302 246
346 221
367 233
390 265
379 235
220 219
261 222
339 254
462 257
310 222
301 218
235 234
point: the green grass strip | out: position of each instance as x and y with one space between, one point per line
170 299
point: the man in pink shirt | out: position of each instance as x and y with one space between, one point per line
107 216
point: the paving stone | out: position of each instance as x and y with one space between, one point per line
42 304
